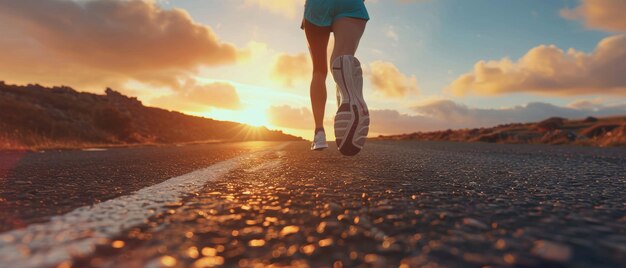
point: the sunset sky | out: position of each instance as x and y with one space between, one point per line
429 64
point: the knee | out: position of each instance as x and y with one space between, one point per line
350 59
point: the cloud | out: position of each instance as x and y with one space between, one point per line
388 80
607 15
548 70
393 122
589 104
444 114
287 8
105 41
200 98
457 115
598 105
447 114
290 117
392 34
288 69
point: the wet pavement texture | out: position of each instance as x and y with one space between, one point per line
397 204
37 185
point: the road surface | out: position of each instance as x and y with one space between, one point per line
407 204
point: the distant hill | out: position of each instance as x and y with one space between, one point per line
604 132
36 117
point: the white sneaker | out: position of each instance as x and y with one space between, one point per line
352 119
319 141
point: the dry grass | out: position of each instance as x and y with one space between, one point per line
34 117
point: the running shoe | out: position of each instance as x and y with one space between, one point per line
352 119
319 140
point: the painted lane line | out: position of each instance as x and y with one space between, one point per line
77 233
271 164
258 168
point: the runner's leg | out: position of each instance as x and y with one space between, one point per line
317 38
352 118
348 33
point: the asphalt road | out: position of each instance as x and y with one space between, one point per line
407 204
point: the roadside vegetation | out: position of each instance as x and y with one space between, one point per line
591 131
33 117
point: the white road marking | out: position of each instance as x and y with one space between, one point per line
77 233
267 165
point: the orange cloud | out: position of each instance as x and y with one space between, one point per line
600 14
290 117
598 105
105 41
200 98
548 70
388 80
288 69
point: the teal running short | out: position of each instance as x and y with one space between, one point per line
323 12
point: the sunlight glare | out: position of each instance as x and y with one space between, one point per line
253 116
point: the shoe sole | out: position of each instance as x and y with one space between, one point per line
320 148
352 118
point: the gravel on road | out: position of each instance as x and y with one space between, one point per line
406 204
37 185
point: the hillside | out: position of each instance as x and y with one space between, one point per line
36 117
591 131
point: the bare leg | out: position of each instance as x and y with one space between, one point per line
352 118
348 33
317 37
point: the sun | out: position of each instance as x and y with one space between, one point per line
253 117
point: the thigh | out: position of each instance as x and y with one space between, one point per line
317 38
348 33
